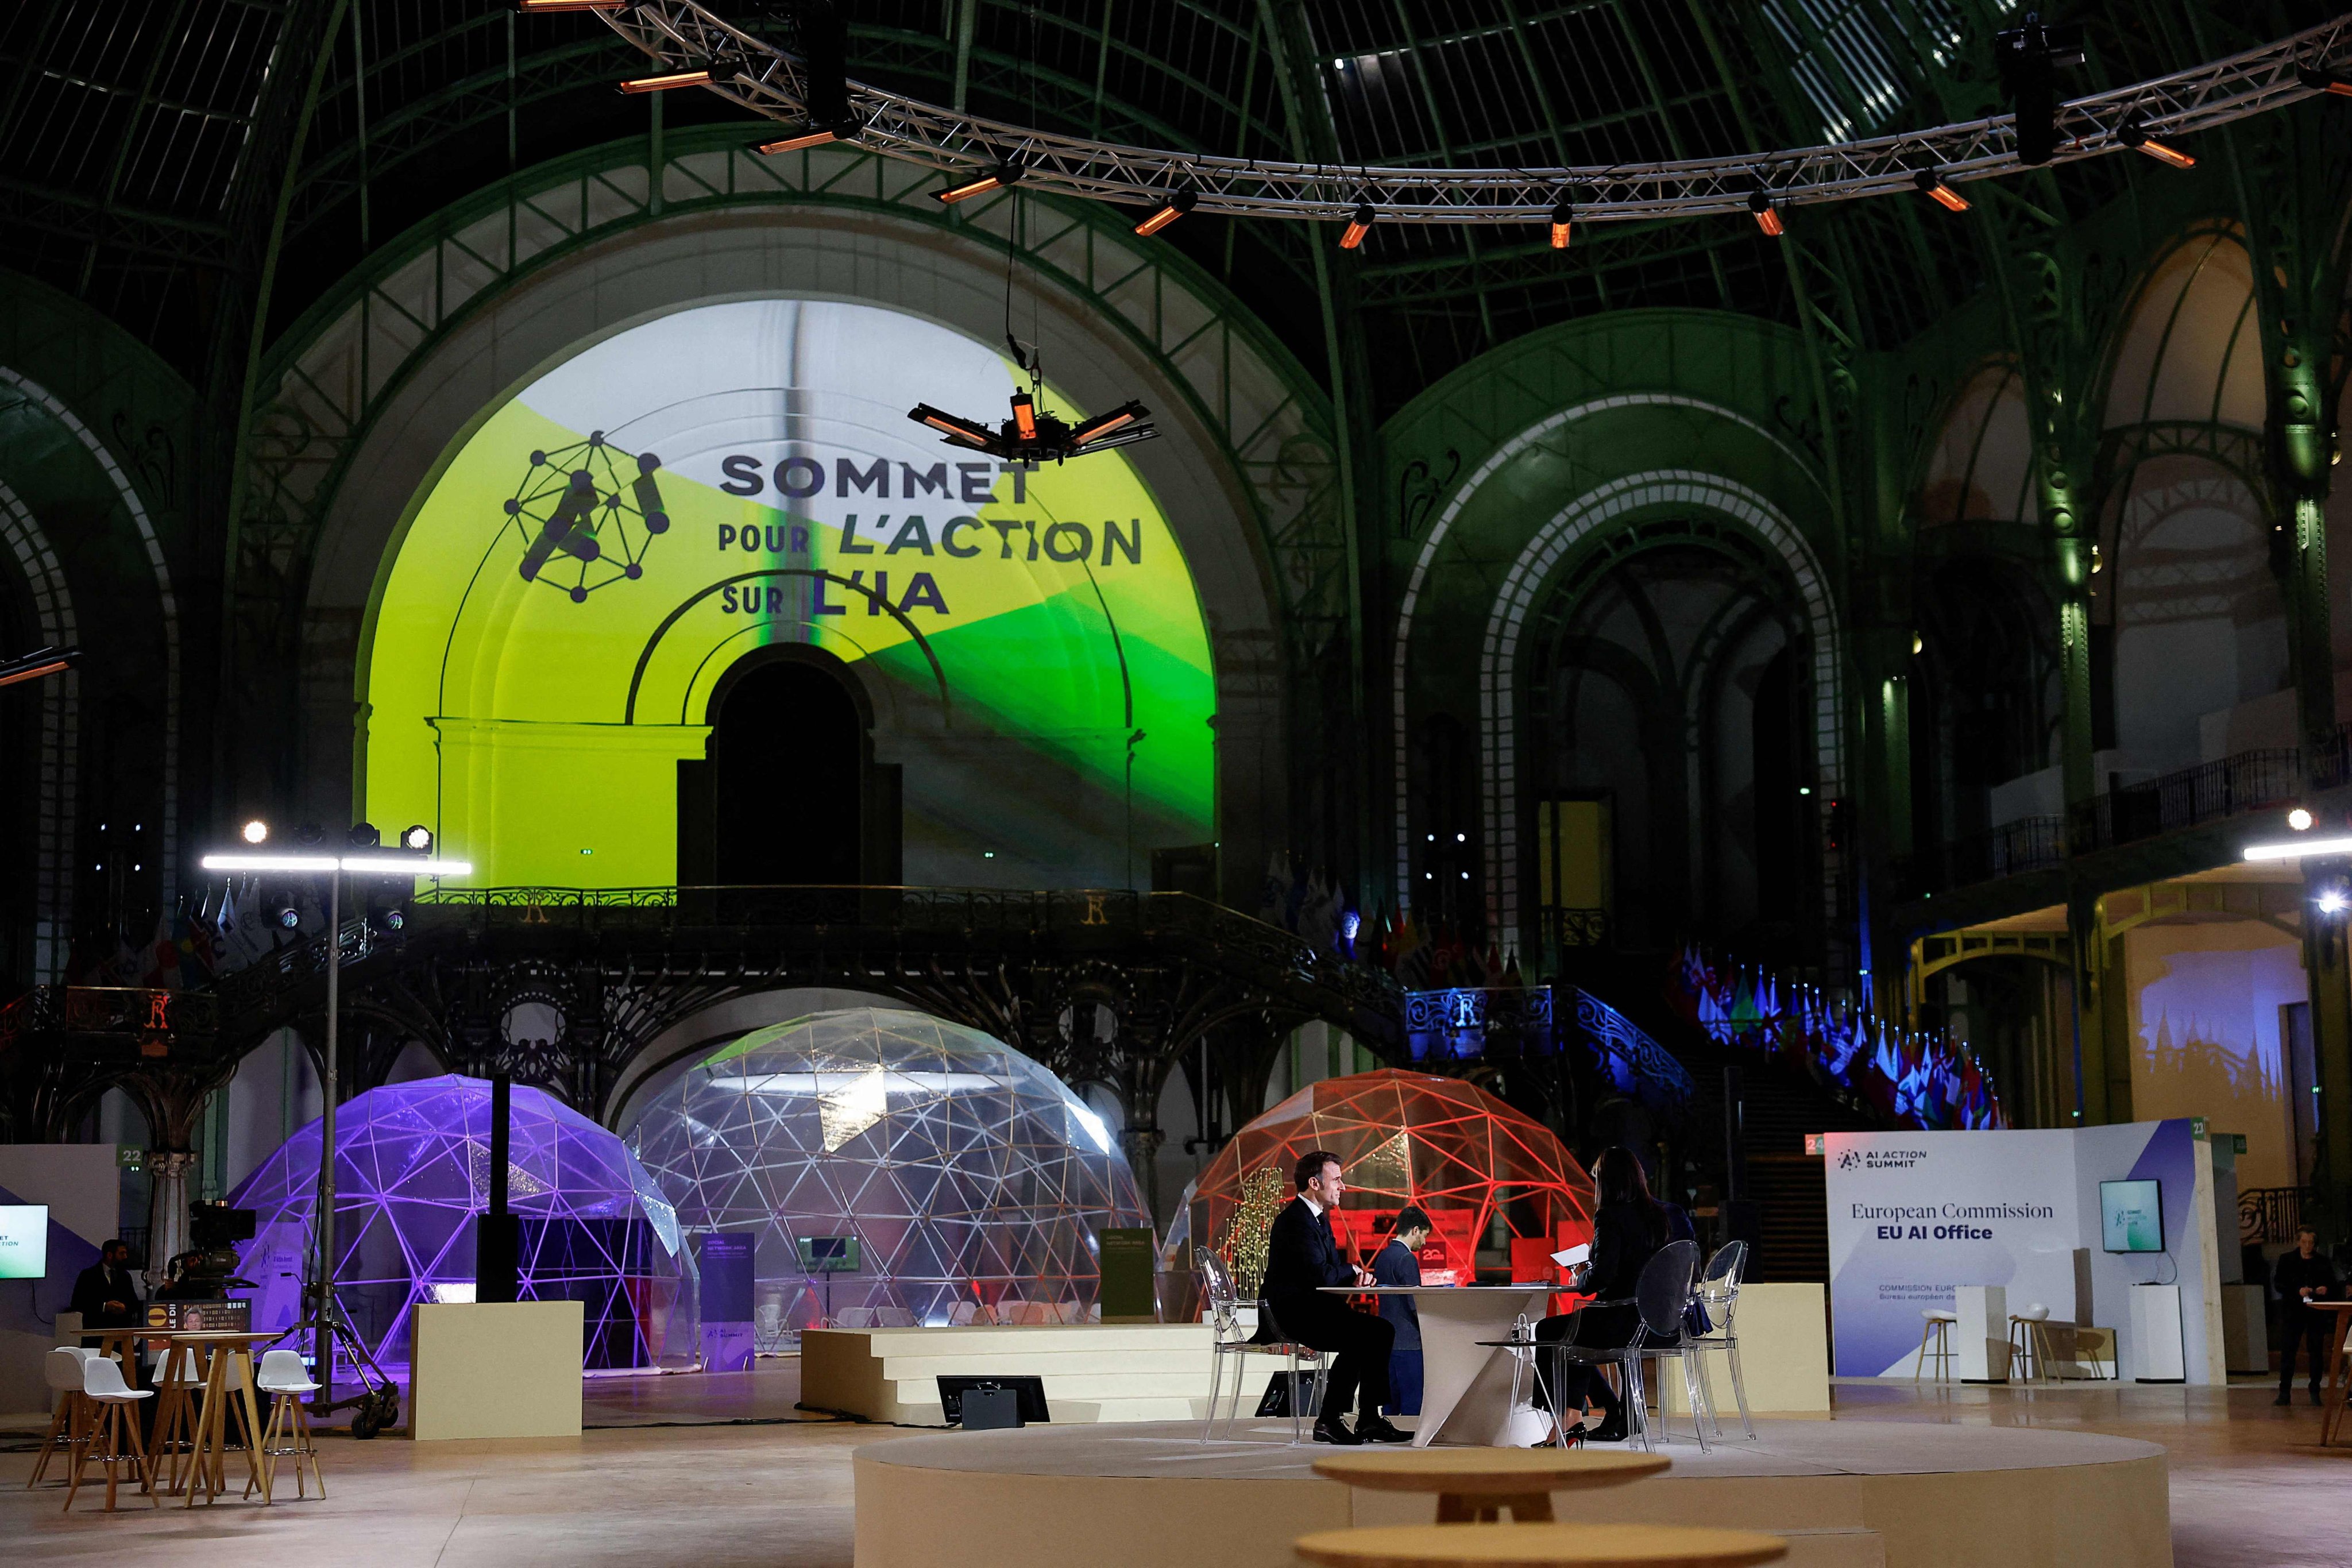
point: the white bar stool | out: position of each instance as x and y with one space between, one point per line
61 1369
113 1422
2029 1342
287 1433
1937 1334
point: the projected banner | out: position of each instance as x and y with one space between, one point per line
567 596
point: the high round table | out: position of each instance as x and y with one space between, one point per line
1466 1388
2331 1415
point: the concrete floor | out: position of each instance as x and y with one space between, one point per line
712 1470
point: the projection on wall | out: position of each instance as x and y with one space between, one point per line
551 634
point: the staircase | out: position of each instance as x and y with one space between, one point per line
1780 1105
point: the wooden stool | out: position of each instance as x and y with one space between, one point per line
179 1413
1476 1485
1938 1333
1539 1546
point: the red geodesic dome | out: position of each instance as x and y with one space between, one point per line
1401 1138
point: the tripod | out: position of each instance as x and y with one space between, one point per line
376 1405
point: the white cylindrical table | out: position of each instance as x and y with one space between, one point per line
1465 1386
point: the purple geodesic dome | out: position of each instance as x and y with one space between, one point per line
412 1171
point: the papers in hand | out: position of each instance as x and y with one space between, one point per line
1572 1256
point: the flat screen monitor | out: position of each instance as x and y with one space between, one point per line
24 1241
2131 1216
829 1254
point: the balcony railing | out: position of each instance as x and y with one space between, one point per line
2250 781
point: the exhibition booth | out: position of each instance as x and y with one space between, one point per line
2117 1243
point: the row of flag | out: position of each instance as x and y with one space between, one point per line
1427 956
230 926
1918 1077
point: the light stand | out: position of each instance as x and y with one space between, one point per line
377 863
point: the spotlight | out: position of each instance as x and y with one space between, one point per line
1359 225
2325 82
1176 204
1561 216
2133 134
1102 424
2299 819
2028 57
1768 217
1931 185
288 916
255 832
310 833
2332 900
824 62
364 836
1008 173
814 136
416 836
692 76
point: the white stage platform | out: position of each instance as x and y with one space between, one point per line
1093 1371
1848 1494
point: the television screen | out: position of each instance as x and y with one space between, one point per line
24 1241
2131 1216
829 1254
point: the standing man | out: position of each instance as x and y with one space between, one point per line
1301 1259
104 1293
2302 1276
1399 1263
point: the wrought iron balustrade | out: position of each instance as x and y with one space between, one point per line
1633 1061
1463 1023
2271 1213
2210 791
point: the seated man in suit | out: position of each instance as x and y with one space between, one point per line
1302 1257
1399 1263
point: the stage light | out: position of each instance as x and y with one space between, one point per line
1359 225
289 917
364 836
1102 424
416 836
814 136
824 62
1931 185
2299 819
963 432
1561 216
2028 57
1005 174
1768 217
692 76
1035 436
255 832
2297 849
1176 206
2331 901
1918 645
2133 134
2325 82
40 662
309 834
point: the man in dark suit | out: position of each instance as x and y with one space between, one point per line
1303 1257
105 1294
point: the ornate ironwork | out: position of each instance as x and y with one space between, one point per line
2271 1214
681 35
1461 1024
1630 1060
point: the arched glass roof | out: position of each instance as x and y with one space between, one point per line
144 148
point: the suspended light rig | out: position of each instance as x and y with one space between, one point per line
1033 436
817 103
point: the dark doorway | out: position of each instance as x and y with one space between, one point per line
787 763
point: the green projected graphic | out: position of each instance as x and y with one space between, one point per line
550 629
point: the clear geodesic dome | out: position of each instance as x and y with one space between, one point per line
974 1182
413 1169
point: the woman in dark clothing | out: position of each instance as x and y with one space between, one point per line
1628 1229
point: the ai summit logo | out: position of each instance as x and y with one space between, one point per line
1881 1159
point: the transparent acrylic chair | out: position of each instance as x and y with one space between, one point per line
1230 1341
1662 1298
1718 1298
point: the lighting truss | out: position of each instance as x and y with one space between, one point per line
747 71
